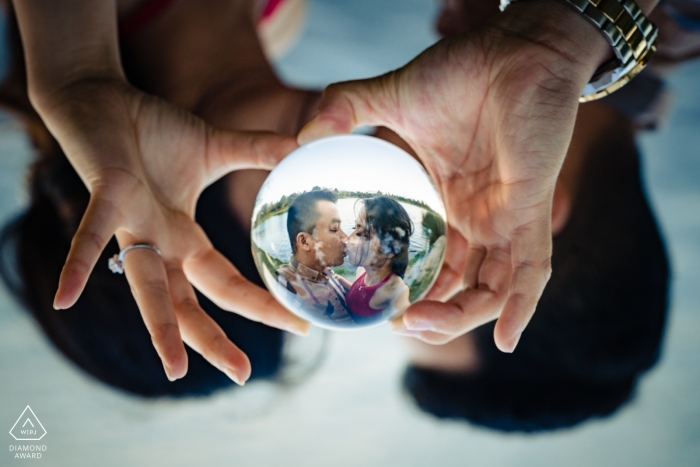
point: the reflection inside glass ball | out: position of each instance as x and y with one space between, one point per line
348 231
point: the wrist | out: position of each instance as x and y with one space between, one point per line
623 24
49 95
65 43
561 26
577 47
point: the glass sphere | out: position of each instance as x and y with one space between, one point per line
347 231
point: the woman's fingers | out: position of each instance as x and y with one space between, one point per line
232 150
345 106
96 228
202 333
218 279
148 279
531 253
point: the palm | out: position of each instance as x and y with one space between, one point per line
114 133
145 163
481 155
492 127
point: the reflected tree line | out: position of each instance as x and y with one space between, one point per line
432 223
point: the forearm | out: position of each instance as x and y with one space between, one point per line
67 41
344 282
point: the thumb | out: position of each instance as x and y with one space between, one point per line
346 106
228 151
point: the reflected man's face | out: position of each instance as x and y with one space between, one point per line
328 238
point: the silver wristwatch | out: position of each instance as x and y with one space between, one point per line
631 34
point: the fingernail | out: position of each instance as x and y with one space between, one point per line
420 326
231 373
406 333
514 342
168 373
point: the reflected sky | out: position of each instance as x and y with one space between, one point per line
350 163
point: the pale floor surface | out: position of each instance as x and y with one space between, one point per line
352 411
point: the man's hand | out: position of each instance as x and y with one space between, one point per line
490 114
145 163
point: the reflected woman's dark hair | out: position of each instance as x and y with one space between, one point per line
598 326
103 333
390 222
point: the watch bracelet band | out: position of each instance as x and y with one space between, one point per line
631 35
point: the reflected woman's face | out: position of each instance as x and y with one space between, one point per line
364 249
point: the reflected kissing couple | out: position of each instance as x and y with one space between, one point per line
378 247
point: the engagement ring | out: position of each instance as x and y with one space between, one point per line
116 262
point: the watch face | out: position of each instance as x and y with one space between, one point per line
348 231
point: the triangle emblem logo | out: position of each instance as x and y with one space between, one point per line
28 427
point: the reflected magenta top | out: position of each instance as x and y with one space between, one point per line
359 296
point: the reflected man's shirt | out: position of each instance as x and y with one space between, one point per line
316 290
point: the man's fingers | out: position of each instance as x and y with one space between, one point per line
232 150
202 333
473 260
149 284
439 323
450 280
462 313
219 280
482 301
435 338
460 269
96 228
510 295
345 106
531 251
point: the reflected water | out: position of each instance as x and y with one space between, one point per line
272 233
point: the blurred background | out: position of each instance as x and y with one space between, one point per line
351 411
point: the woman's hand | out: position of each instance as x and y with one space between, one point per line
490 114
145 163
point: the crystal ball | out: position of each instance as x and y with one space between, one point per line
348 231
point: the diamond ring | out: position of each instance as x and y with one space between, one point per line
116 262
